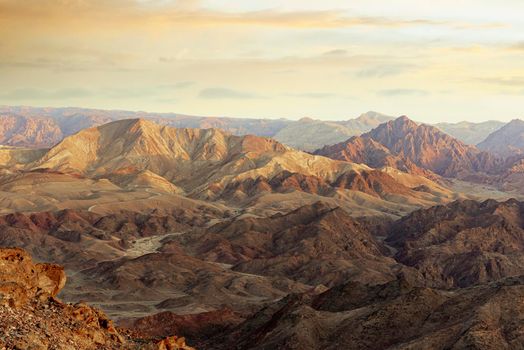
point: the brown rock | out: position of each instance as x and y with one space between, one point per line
22 281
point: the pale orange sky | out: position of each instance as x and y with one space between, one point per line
434 61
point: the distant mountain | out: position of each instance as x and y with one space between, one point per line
366 121
468 132
67 121
309 134
507 141
16 130
53 124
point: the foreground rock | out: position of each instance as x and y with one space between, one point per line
32 318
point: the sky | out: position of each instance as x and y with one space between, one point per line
332 59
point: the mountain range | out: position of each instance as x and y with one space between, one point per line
44 127
395 235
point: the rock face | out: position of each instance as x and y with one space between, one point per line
399 314
463 243
507 141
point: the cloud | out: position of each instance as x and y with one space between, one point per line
178 85
59 64
192 13
383 71
402 92
518 46
314 95
220 93
508 82
336 52
39 94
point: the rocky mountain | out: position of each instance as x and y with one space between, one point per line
413 147
209 164
463 243
313 244
79 239
365 150
507 141
431 149
400 314
468 132
43 127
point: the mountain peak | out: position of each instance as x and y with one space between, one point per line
134 123
306 120
373 116
514 122
403 119
429 148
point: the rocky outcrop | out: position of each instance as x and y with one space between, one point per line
31 317
21 281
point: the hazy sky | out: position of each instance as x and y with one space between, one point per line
445 60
